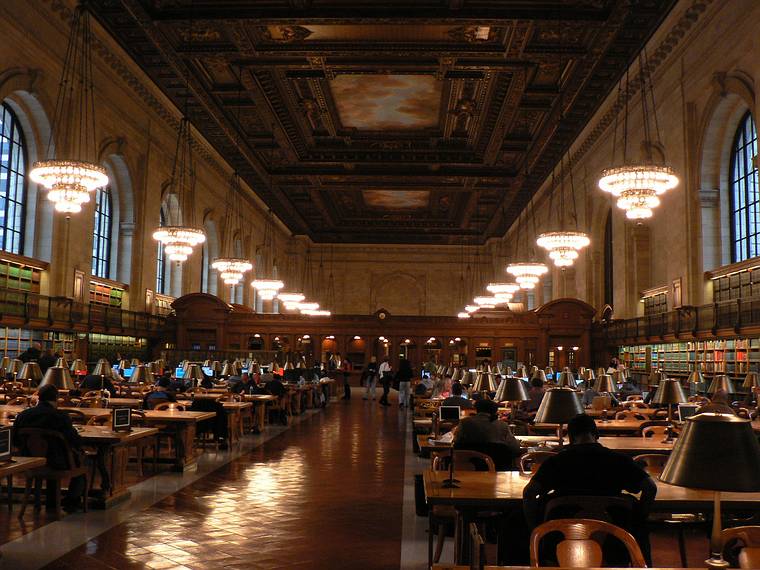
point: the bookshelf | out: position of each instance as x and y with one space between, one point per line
107 345
734 357
14 341
108 294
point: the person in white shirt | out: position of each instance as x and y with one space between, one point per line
386 377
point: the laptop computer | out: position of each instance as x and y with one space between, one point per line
686 411
450 413
6 445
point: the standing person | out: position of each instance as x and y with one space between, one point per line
46 360
386 377
371 378
345 367
403 376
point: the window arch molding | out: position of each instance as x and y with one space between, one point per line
730 101
29 110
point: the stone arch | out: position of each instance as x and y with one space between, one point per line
17 89
733 95
123 213
399 292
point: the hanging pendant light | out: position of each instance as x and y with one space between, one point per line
291 300
527 274
503 291
471 308
232 269
267 289
638 185
463 315
563 245
179 238
72 174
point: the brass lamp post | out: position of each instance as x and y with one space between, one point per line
559 406
669 393
720 453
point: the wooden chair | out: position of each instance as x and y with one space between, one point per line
231 398
660 415
529 462
37 443
748 540
653 463
76 416
138 419
92 394
441 516
635 398
91 402
425 408
652 431
66 401
18 401
99 420
173 406
630 415
477 548
579 547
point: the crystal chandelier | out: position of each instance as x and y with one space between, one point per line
463 315
316 313
471 308
180 238
503 291
486 302
232 269
179 241
304 307
637 187
267 289
72 175
527 274
291 300
563 246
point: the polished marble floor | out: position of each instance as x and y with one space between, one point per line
326 493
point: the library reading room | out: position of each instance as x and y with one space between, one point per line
379 284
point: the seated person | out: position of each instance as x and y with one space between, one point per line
585 467
45 415
96 382
718 404
457 398
629 389
484 432
425 387
275 387
160 393
242 386
591 393
536 394
207 382
442 388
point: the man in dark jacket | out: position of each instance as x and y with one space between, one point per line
47 360
97 382
34 352
484 432
45 415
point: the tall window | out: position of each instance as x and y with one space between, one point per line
101 239
12 181
204 267
745 206
161 262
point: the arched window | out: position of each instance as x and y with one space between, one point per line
204 267
161 261
101 239
745 202
12 181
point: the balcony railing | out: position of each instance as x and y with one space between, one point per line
32 308
726 316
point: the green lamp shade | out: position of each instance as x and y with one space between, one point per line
715 452
559 406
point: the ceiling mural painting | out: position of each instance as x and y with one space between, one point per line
397 199
387 101
387 122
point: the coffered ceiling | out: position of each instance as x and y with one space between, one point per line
424 121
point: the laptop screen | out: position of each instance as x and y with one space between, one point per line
207 371
179 372
128 372
450 413
686 411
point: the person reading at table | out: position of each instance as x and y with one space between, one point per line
457 398
485 433
160 393
536 394
275 387
586 467
97 382
45 415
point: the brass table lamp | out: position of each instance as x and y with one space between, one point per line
669 393
559 406
566 379
716 452
30 372
142 375
541 375
721 382
104 370
485 382
59 377
194 373
78 367
512 390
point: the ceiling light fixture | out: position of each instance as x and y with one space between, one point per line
638 185
527 274
267 289
462 315
72 174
